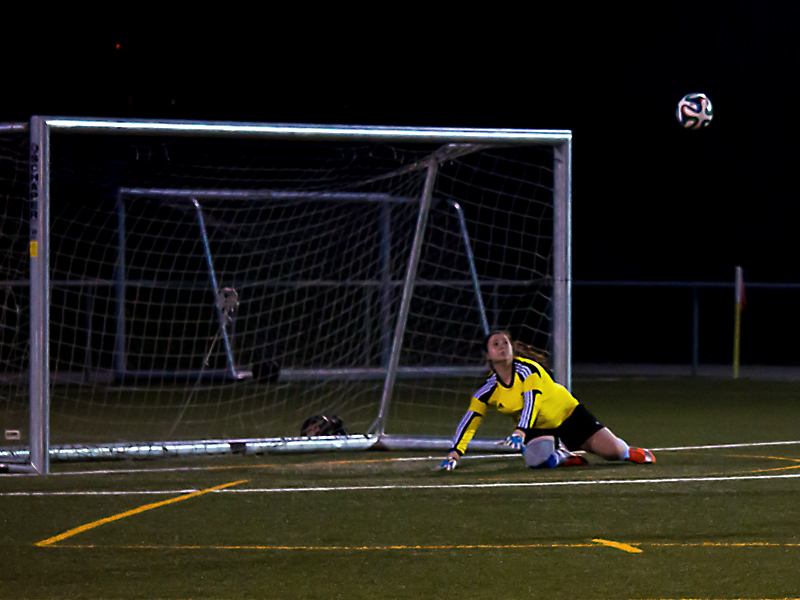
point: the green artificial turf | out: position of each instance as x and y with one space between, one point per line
716 517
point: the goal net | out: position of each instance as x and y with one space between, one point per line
212 287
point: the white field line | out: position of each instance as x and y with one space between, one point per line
99 493
387 460
517 484
469 486
718 446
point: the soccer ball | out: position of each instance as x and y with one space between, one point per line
695 111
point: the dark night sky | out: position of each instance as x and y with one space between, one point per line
650 201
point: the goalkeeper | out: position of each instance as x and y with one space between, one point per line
550 421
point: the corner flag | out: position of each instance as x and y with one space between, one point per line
741 300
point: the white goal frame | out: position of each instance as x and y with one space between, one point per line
41 128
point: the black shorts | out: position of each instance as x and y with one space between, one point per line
574 431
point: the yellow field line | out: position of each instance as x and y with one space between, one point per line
325 463
626 547
761 456
135 511
773 469
618 546
335 548
794 460
726 544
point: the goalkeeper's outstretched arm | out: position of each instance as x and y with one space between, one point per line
464 433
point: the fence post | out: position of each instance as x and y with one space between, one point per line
695 330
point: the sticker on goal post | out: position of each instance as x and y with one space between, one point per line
34 249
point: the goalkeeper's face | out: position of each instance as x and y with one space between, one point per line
499 349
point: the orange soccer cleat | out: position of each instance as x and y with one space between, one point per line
641 456
575 461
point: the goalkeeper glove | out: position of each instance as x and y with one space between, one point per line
514 441
448 464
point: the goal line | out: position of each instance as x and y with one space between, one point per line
505 454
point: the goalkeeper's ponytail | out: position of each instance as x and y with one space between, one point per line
528 351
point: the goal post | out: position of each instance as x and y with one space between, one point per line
202 287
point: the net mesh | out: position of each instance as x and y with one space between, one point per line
14 294
226 289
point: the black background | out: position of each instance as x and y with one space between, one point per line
651 201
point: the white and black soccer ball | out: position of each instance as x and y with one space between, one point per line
695 111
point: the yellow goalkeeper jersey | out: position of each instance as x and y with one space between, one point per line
532 399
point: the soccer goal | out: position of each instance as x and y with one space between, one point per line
201 287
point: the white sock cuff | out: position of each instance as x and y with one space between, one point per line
627 451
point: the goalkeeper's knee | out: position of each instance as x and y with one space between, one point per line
540 453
